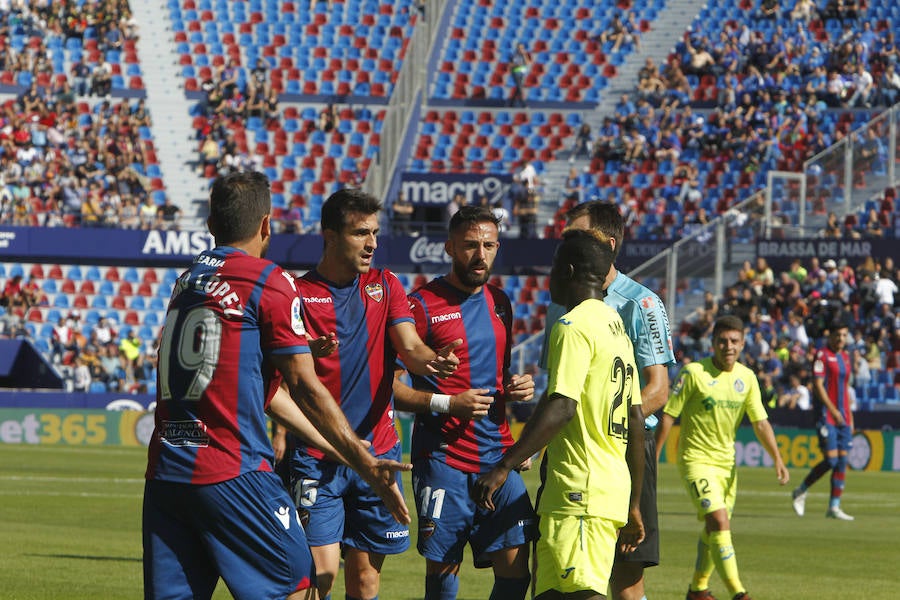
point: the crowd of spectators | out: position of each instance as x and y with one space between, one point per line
108 24
788 50
230 102
787 316
97 357
63 163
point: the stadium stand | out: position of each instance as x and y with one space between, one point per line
300 91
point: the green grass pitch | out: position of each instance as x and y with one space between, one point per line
70 528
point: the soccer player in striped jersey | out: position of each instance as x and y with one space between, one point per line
362 315
591 422
233 331
461 429
711 396
832 369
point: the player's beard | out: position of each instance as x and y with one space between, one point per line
470 279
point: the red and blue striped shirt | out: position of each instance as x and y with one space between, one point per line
229 312
483 321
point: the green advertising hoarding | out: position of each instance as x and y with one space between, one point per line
799 448
75 427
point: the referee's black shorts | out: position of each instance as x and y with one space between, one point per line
647 552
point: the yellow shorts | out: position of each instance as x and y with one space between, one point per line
574 553
710 488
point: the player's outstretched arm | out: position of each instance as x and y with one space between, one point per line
470 404
418 357
287 415
550 416
323 412
766 436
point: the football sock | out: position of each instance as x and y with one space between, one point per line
837 481
704 565
814 475
441 586
510 589
722 552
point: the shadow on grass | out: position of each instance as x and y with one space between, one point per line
85 557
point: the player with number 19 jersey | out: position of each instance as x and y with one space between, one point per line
226 313
483 321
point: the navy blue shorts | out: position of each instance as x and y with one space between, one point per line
341 507
244 530
834 437
448 518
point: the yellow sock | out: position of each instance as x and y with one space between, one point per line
722 552
704 565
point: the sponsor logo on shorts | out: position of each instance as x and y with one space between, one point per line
284 515
567 572
705 503
396 535
426 528
574 496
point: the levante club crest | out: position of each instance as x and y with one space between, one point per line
375 291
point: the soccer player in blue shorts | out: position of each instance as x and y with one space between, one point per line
363 315
832 369
233 331
591 422
647 324
461 429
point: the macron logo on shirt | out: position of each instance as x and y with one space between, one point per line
317 300
446 317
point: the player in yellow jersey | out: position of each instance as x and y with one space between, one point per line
711 396
592 424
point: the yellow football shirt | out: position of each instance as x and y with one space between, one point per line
591 360
711 404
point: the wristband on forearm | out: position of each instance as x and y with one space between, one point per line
440 403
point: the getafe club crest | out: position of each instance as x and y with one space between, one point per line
375 291
739 386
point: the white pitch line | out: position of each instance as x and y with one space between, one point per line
67 494
48 479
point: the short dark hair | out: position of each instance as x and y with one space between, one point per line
604 217
586 252
347 200
468 215
728 323
238 202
